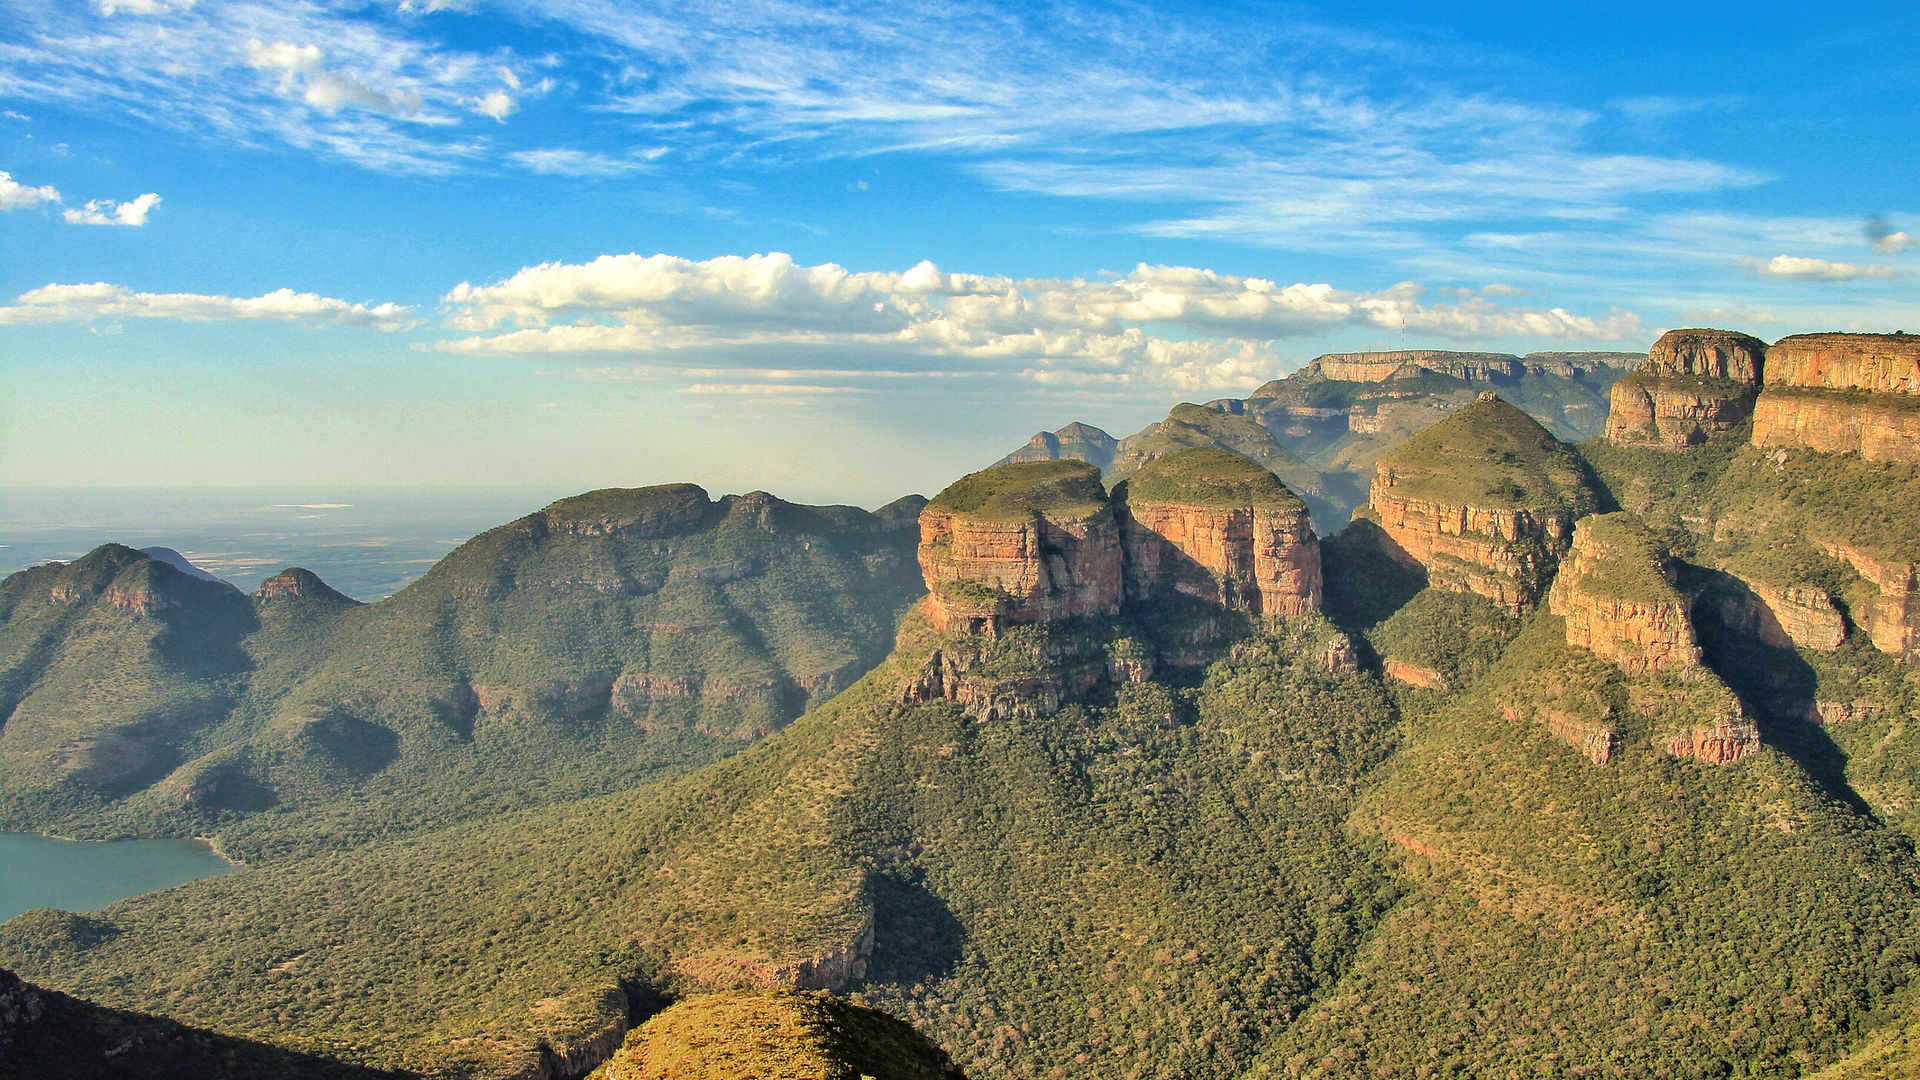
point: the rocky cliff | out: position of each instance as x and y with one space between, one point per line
1216 526
1615 590
1485 501
1694 384
1023 543
1708 354
1842 394
1878 427
1879 363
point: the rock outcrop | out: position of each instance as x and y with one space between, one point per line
294 583
1216 526
1805 614
1878 427
1708 354
1485 501
1880 363
1694 384
1842 394
1892 619
1615 590
1023 543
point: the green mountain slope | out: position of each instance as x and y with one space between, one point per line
583 649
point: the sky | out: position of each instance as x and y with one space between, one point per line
842 252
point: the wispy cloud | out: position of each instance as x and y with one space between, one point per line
1798 268
17 196
133 212
100 300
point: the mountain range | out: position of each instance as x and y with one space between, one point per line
1120 758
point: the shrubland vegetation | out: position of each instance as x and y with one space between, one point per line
610 640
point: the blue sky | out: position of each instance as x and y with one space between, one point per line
845 252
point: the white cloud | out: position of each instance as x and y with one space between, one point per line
1175 327
1797 268
133 212
1893 243
498 105
303 73
141 7
81 303
17 196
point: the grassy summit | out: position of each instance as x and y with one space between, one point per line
1205 476
1493 456
1018 491
773 1035
1631 563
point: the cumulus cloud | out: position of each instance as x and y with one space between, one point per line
100 300
1186 328
17 196
1885 238
1797 268
133 212
498 105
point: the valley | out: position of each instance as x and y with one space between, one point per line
1420 714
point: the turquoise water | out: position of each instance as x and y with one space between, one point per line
37 871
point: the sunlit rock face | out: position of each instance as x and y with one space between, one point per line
1485 501
1022 543
1694 384
1216 526
1618 600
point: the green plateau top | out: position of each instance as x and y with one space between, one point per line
1491 455
1063 488
1205 476
1631 564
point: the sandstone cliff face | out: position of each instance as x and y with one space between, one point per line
1713 354
985 575
1695 383
1883 363
1877 427
1614 592
1673 414
1502 554
1485 501
1251 559
1892 620
1805 614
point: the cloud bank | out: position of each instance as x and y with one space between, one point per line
1183 328
82 303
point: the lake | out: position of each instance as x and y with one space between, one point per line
38 871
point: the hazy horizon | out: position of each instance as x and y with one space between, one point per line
832 251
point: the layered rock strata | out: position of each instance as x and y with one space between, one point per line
1694 384
1892 618
1878 427
1022 543
1879 363
1214 525
1842 394
1485 501
1616 593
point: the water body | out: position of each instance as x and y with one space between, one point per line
38 871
